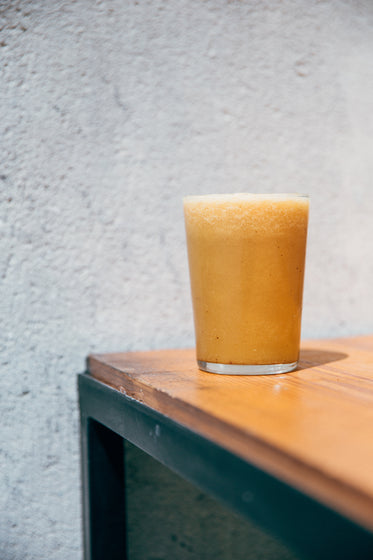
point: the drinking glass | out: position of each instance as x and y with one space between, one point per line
246 257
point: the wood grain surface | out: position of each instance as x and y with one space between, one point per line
312 428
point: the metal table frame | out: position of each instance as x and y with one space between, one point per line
108 417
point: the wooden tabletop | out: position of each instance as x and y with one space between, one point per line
312 428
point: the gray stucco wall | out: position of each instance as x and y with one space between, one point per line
110 112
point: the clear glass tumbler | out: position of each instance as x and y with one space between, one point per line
246 261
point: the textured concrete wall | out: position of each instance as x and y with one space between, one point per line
111 111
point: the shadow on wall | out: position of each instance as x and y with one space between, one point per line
167 517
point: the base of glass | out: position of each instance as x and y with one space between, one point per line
236 369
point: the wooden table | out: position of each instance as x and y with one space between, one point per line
293 452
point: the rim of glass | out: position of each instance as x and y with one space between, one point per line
246 196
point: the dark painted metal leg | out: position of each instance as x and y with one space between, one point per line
103 492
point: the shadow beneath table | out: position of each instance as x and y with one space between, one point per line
311 357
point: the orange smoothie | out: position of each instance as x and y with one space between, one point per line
246 261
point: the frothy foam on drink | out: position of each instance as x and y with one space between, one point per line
246 211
